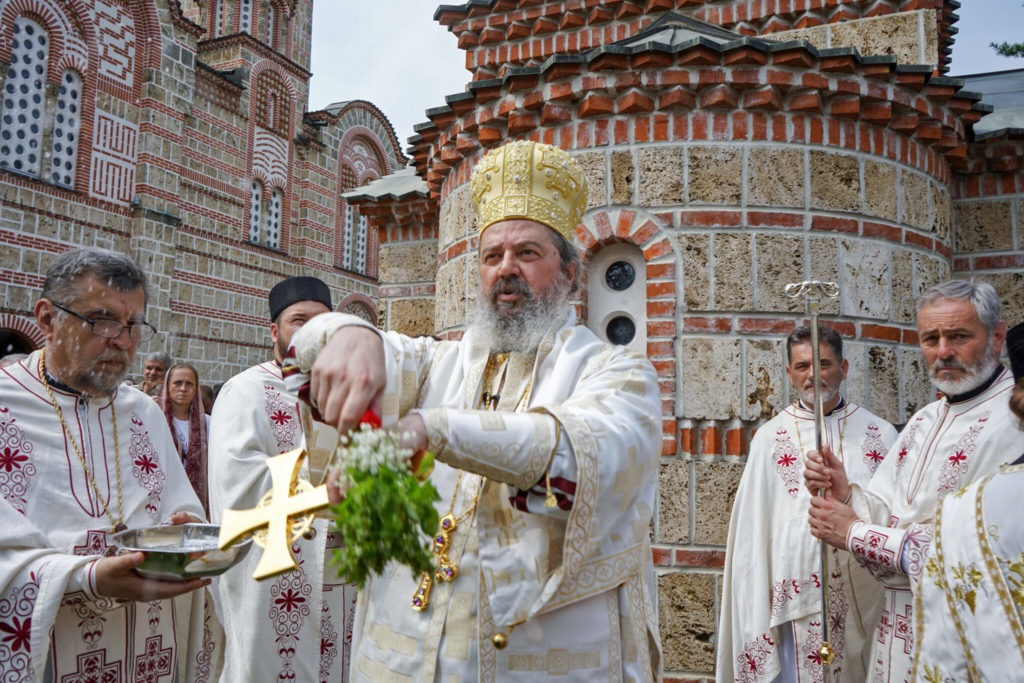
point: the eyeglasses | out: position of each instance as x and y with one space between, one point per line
109 329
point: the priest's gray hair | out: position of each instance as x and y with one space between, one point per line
159 357
117 270
826 335
981 295
568 254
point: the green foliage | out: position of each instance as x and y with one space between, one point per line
381 518
1008 49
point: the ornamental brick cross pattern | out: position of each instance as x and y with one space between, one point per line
289 497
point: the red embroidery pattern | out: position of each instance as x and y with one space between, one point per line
873 448
955 468
16 628
788 589
146 465
870 551
328 643
750 663
810 659
205 655
95 544
289 607
787 461
837 612
916 544
154 662
90 615
905 629
92 667
16 470
283 420
906 443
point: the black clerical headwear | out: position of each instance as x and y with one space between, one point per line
295 289
1015 350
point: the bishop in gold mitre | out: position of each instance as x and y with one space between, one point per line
546 442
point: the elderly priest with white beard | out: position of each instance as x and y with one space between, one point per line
547 444
964 436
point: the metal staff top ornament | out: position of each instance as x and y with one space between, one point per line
813 291
284 513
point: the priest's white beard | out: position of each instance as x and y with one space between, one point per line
974 375
827 393
98 381
504 329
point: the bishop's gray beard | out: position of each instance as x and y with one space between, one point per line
503 329
974 375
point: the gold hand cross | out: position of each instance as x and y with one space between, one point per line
286 511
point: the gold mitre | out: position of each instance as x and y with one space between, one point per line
529 180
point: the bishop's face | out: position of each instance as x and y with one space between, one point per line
519 261
801 373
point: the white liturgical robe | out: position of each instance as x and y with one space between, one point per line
297 625
944 446
575 594
970 600
772 580
53 625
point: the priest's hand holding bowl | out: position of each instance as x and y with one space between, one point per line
116 577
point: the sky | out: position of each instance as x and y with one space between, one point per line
393 53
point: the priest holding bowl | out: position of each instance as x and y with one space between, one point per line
84 457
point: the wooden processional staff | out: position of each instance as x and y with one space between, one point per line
812 292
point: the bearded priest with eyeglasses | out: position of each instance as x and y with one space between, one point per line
81 457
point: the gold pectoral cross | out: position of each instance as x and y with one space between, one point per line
284 513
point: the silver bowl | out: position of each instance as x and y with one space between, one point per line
180 552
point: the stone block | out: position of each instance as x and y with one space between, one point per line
661 176
775 177
710 378
412 317
824 265
864 282
817 36
928 272
884 382
918 391
623 175
764 378
733 272
880 196
780 260
715 175
694 253
915 200
835 181
673 523
1010 287
903 291
892 34
855 387
716 484
941 210
686 612
408 262
594 165
982 226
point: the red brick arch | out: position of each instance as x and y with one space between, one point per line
360 305
25 326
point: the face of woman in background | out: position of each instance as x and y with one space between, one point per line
182 387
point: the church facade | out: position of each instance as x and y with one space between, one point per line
177 131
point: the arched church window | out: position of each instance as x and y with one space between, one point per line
66 117
359 264
255 206
351 226
245 16
24 99
271 26
218 18
273 220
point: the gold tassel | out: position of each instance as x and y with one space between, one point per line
549 500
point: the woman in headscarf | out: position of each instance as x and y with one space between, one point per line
189 424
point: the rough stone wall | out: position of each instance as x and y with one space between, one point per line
988 219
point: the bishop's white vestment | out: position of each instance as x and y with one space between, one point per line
945 446
53 625
575 593
970 601
771 596
297 625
